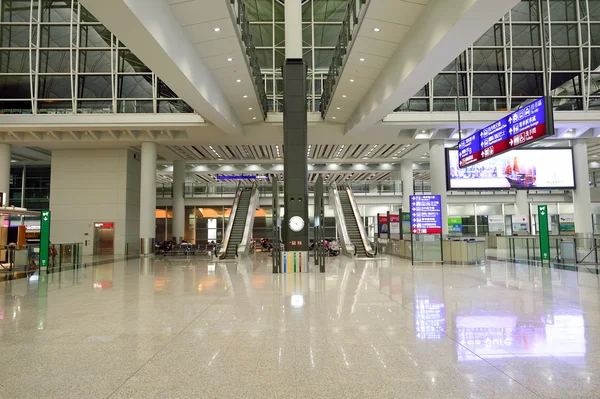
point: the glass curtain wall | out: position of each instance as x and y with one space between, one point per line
503 69
37 187
321 25
57 58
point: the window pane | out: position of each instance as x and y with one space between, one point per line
12 61
94 36
493 37
14 87
54 86
165 91
95 86
563 10
488 60
489 104
449 104
323 58
55 61
489 84
135 86
94 61
55 107
262 35
56 11
568 104
86 16
128 62
566 84
326 35
526 35
14 36
566 59
15 107
16 10
174 107
94 107
525 11
527 85
135 107
444 85
414 105
565 34
527 59
55 36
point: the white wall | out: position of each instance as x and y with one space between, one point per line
89 186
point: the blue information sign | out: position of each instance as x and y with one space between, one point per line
521 127
426 214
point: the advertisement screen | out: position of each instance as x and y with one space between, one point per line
545 168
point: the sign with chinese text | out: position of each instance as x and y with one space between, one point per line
426 214
524 126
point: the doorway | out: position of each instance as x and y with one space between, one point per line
104 238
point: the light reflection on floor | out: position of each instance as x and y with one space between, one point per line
366 328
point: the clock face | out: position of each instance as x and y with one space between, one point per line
296 223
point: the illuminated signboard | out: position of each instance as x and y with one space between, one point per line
524 126
426 214
241 177
536 168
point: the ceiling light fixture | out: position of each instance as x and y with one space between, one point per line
334 117
229 59
376 30
239 80
351 80
254 118
245 96
217 29
361 59
338 108
344 96
250 109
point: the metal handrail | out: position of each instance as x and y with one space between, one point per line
349 22
234 208
339 219
242 249
241 18
361 227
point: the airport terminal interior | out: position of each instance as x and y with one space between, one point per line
300 199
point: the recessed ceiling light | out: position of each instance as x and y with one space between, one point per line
217 29
376 30
344 96
239 80
334 117
351 80
254 118
338 108
250 109
229 59
361 59
245 96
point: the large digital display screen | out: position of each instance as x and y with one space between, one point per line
521 127
543 168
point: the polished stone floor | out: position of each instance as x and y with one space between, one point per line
365 329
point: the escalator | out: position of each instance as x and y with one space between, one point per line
353 235
241 221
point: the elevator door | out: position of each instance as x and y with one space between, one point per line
104 238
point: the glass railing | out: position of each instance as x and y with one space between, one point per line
241 14
65 255
341 50
570 250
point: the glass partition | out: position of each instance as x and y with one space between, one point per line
426 248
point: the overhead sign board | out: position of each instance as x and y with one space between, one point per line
524 126
241 177
426 214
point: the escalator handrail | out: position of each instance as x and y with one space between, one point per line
242 249
232 215
359 223
339 219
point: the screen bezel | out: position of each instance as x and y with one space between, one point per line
448 187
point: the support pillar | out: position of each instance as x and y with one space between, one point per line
148 198
408 183
178 200
295 126
522 207
582 202
437 157
5 155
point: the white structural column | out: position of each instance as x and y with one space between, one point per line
521 203
148 198
438 177
293 29
582 202
5 154
178 200
408 183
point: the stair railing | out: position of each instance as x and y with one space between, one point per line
234 209
340 221
244 246
360 224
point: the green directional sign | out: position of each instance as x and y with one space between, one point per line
544 235
44 239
